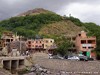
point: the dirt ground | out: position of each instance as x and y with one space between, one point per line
67 66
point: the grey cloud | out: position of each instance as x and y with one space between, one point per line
9 8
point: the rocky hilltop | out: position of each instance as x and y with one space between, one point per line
34 12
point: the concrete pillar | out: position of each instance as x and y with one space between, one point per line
1 63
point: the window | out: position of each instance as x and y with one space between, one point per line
83 41
7 40
91 41
11 39
40 41
46 41
32 45
29 42
29 45
73 38
90 47
36 46
84 47
36 41
51 41
40 46
79 34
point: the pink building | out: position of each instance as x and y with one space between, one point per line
36 44
45 44
85 44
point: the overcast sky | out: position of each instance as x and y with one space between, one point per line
85 10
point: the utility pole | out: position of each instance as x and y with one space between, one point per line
20 45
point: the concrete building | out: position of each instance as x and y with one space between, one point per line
36 44
8 37
47 43
85 44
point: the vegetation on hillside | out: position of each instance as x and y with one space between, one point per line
61 28
29 25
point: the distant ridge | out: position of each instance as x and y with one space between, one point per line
34 12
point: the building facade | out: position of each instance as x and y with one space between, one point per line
36 44
8 37
45 44
85 44
48 43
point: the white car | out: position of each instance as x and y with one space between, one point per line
50 56
73 58
55 57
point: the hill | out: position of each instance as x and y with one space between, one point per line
45 23
29 25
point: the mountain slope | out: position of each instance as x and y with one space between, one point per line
61 28
29 25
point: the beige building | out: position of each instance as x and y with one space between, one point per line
48 43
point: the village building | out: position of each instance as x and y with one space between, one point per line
49 45
34 45
6 38
85 44
40 45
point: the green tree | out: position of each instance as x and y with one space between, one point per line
63 47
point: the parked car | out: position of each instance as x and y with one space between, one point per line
90 59
83 58
56 57
74 58
66 56
50 56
